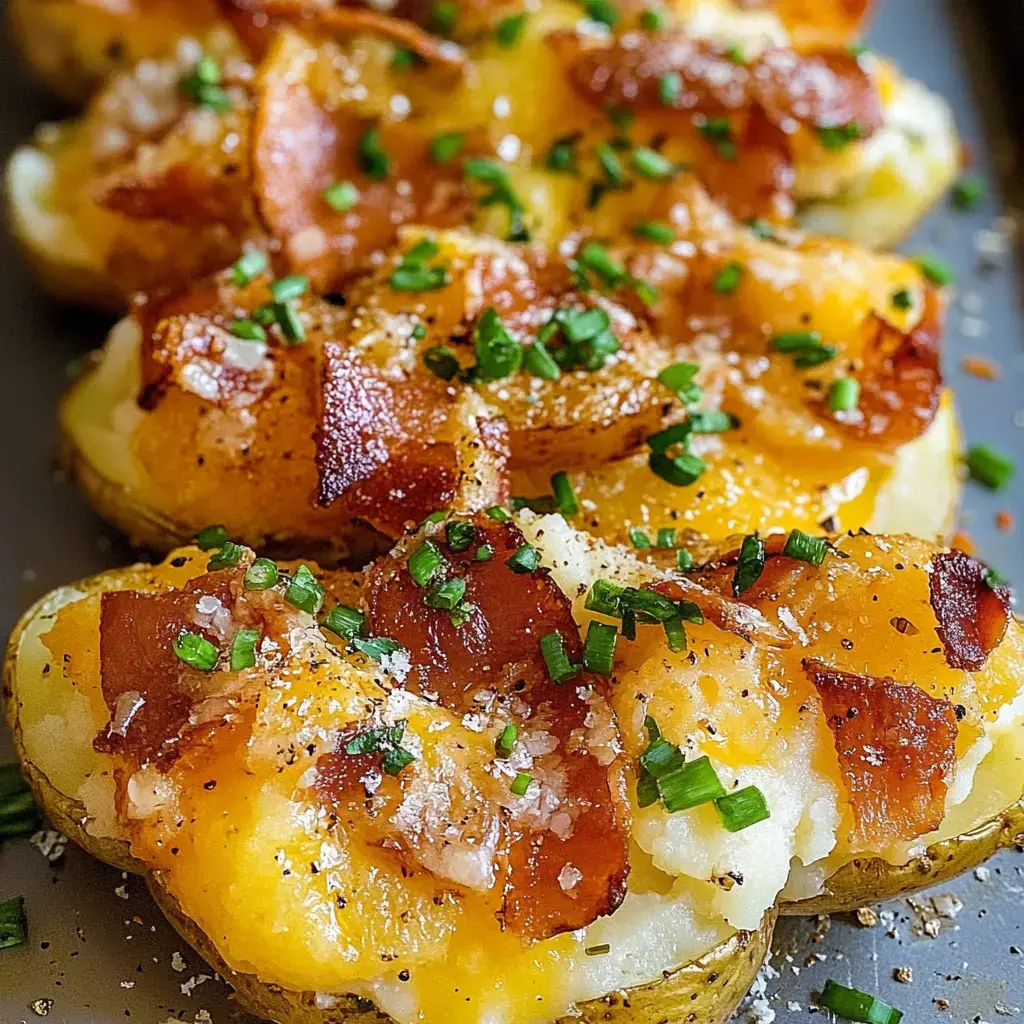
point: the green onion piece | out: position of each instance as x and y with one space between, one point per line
304 591
610 164
506 743
510 29
290 323
265 314
203 85
565 496
684 560
443 14
562 154
805 548
211 537
418 279
343 620
341 196
727 280
419 331
666 537
718 131
675 634
287 288
599 648
261 575
596 257
248 266
749 565
226 557
647 790
934 269
376 648
543 504
735 53
598 950
442 362
539 361
638 538
695 783
371 156
680 471
446 595
521 783
653 20
585 324
446 147
815 357
425 562
19 815
552 647
679 377
437 516
711 421
650 604
605 597
968 192
652 164
498 354
654 231
498 513
670 88
385 741
661 758
902 299
459 535
603 11
195 650
742 808
796 341
524 559
243 649
852 1004
13 923
247 330
484 553
405 59
844 394
836 137
989 467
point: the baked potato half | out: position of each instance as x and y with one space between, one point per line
467 370
319 144
190 722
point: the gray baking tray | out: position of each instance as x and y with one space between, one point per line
99 951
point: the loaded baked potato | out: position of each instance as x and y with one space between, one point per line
334 814
463 370
327 134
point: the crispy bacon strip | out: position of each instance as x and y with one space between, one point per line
823 89
973 614
553 883
896 747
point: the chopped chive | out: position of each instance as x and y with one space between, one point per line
666 537
290 323
425 562
835 137
419 331
727 280
605 597
203 85
343 620
341 196
247 330
968 192
649 603
243 649
684 560
594 256
506 743
796 341
195 650
418 279
226 557
405 59
989 467
286 288
653 20
442 362
248 266
425 249
565 496
844 394
815 357
376 648
562 154
735 53
680 377
611 165
585 324
446 595
552 647
304 591
749 565
718 131
695 783
599 648
742 808
498 354
13 923
902 299
805 548
437 516
261 575
211 537
444 148
521 783
539 361
385 741
680 470
852 1004
638 538
675 635
371 156
670 88
443 14
510 29
524 559
498 513
654 231
760 228
484 553
603 11
936 270
652 164
711 421
19 815
599 950
459 535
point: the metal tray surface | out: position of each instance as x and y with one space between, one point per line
100 952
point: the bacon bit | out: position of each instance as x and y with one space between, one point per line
498 650
300 147
900 378
981 366
972 613
896 747
1004 520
